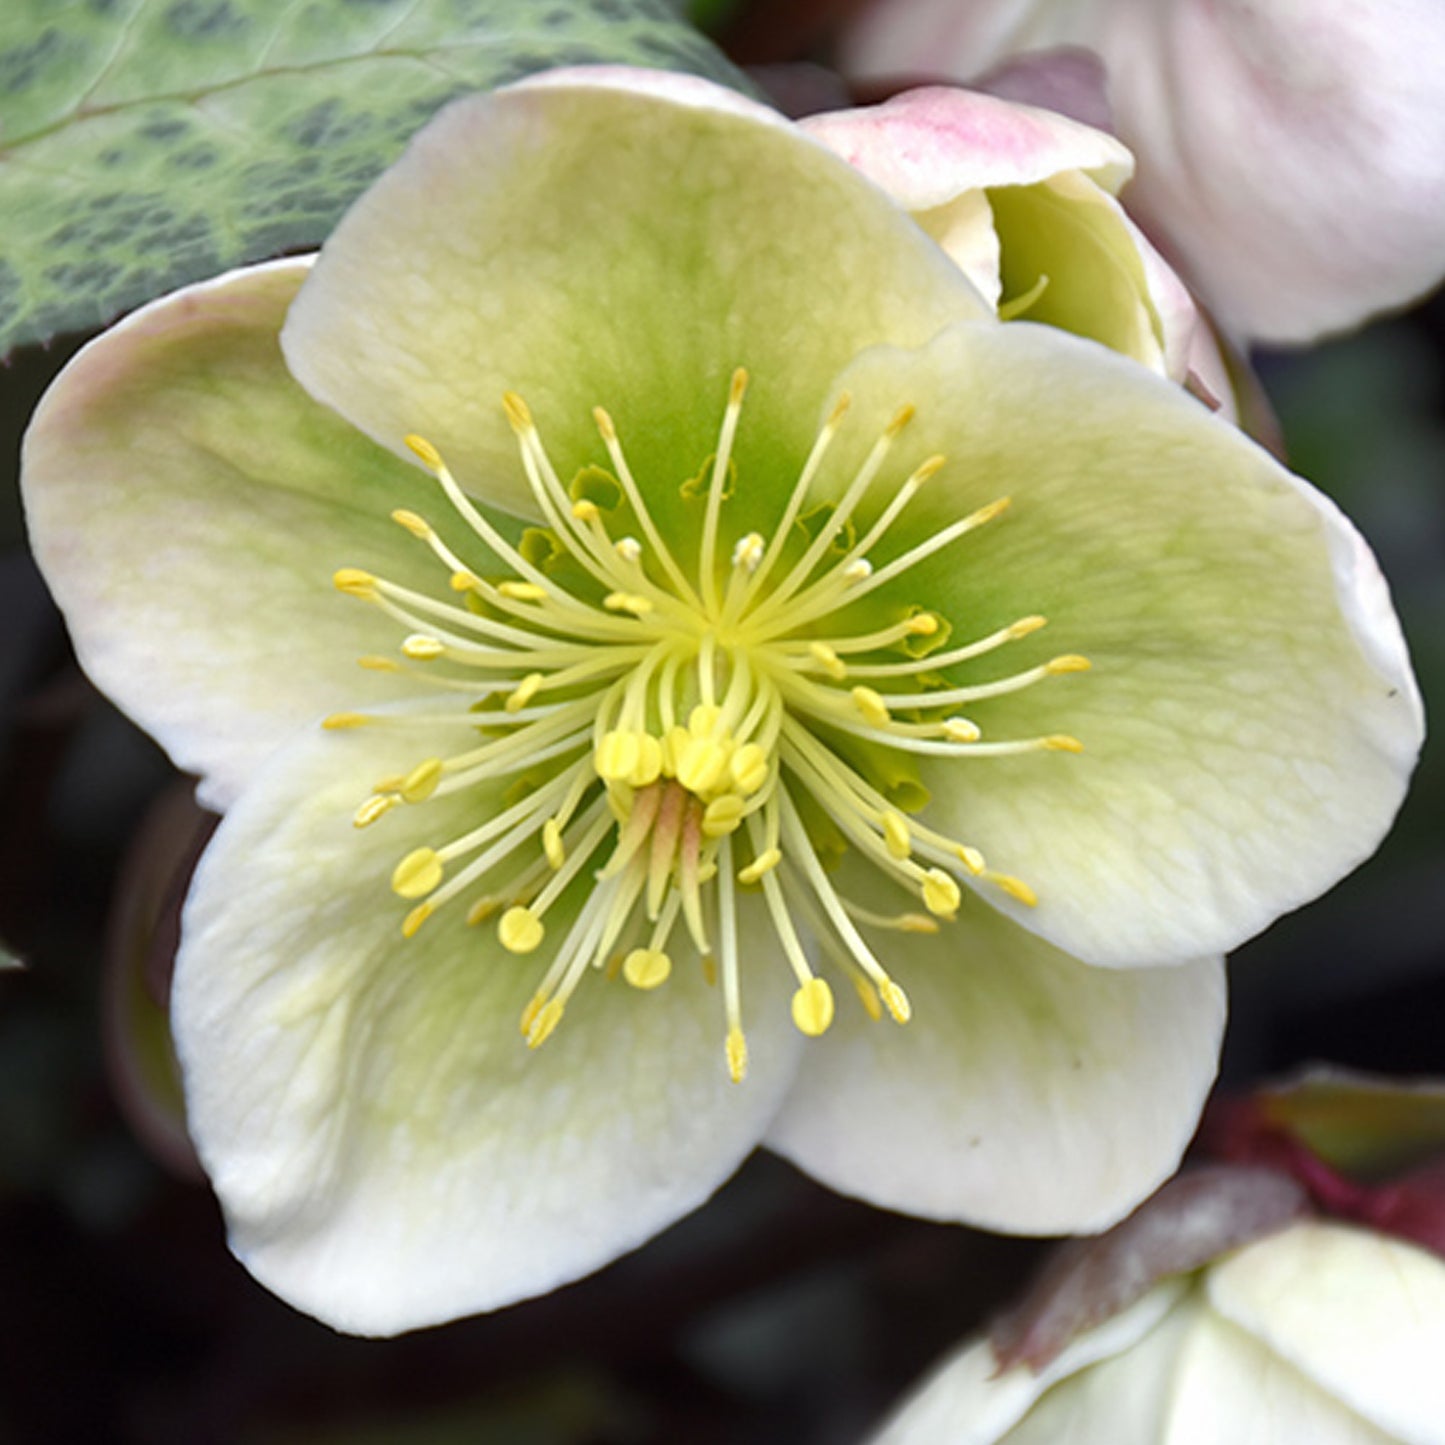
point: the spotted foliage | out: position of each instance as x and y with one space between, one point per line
148 143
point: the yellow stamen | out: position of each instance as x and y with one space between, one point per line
813 1007
419 873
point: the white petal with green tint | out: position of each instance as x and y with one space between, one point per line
189 503
388 1150
1029 1092
1249 719
1360 1315
611 238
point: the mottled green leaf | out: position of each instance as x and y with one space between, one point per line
147 143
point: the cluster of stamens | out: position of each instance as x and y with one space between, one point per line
677 735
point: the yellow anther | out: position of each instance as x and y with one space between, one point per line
940 893
604 424
418 873
627 602
535 1005
648 768
524 692
896 837
917 923
547 1019
764 863
422 781
749 768
868 997
899 420
646 968
421 648
701 764
417 526
737 1052
922 624
373 808
428 454
552 843
415 919
522 591
738 387
1026 625
828 660
749 551
517 411
722 815
482 910
1063 743
895 1000
586 510
1069 662
960 730
520 930
617 756
813 1007
354 582
464 582
988 513
871 706
971 858
340 721
703 719
929 467
372 663
1014 887
674 740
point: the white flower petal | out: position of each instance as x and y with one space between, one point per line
1361 1315
1125 1398
609 238
1231 1389
1249 721
966 1402
388 1151
1028 1092
188 503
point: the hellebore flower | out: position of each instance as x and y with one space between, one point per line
1024 201
1322 1333
1291 153
651 694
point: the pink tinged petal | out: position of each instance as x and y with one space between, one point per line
608 238
1360 1316
936 150
188 503
1291 155
927 146
388 1151
1028 1092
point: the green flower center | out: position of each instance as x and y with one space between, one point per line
681 728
